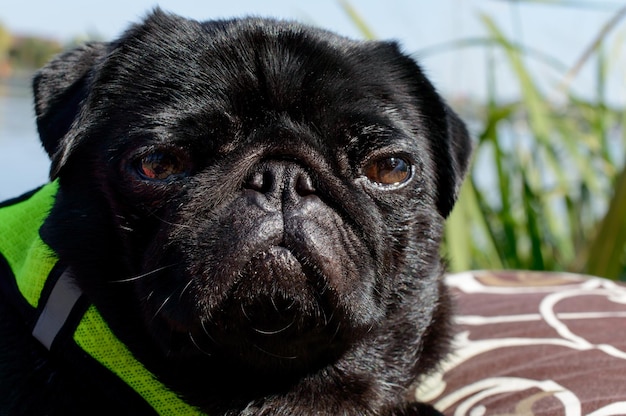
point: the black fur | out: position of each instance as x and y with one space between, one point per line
269 275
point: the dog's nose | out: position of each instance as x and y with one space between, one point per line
281 181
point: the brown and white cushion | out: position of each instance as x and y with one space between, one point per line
534 343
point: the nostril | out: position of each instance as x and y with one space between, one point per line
260 181
283 179
304 185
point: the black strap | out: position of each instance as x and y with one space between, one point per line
20 198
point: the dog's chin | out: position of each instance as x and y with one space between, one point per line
281 315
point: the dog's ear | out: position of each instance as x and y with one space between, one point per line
448 137
60 88
456 151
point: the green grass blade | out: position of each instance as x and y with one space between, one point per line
357 19
607 249
466 222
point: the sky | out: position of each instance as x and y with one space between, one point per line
559 31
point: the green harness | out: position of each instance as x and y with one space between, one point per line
31 262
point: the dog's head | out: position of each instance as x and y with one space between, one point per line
257 190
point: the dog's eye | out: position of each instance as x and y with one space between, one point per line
160 166
388 171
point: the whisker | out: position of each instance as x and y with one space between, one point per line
327 318
206 332
141 276
193 341
274 304
173 224
291 305
187 286
336 332
286 357
274 332
167 299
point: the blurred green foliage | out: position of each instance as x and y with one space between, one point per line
557 198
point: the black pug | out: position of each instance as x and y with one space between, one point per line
253 207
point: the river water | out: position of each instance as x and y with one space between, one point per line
23 162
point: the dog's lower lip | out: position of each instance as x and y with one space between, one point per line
279 249
282 252
278 253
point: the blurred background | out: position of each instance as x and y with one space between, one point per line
542 85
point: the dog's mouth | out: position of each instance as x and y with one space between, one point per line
281 312
294 301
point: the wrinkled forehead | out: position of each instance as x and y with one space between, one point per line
245 67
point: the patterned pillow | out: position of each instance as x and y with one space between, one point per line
534 344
